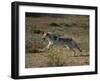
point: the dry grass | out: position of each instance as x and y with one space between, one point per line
73 26
56 57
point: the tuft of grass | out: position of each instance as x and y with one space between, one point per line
54 24
55 57
68 25
37 31
34 51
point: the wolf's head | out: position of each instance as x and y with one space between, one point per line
45 35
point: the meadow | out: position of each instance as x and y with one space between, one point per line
73 26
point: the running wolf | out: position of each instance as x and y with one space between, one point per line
55 39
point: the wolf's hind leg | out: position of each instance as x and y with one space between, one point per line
79 49
72 49
75 45
74 52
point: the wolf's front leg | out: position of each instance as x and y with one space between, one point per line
48 46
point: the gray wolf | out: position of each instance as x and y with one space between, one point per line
55 39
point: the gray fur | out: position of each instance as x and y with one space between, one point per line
58 40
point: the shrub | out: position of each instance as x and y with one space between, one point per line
55 57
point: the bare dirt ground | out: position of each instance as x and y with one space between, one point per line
74 26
